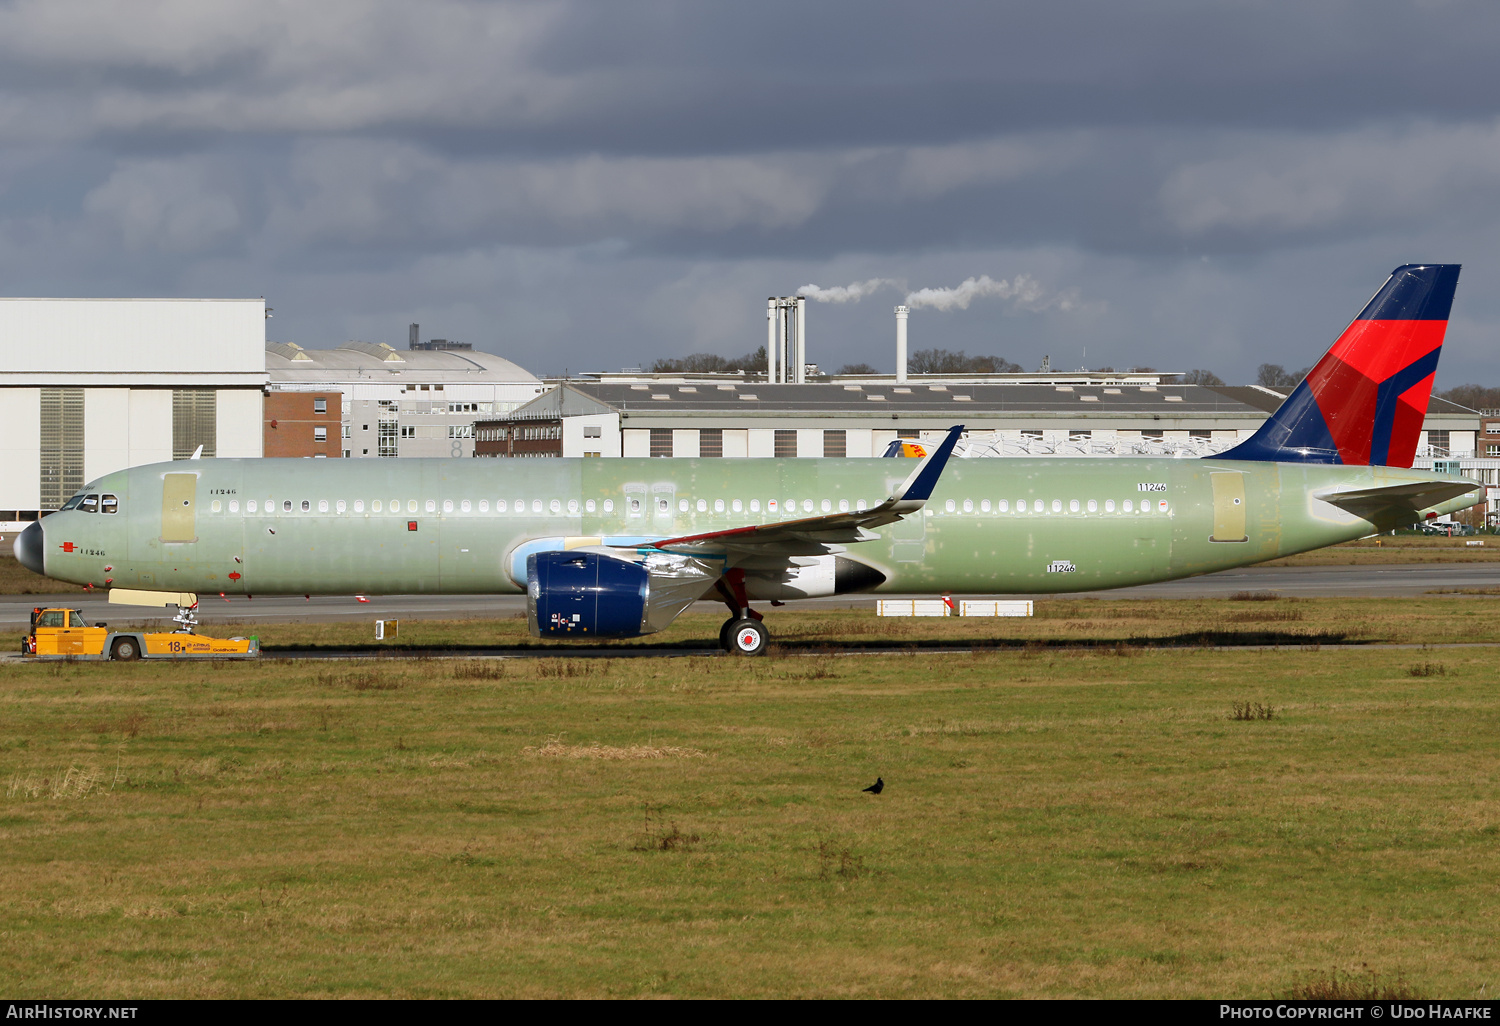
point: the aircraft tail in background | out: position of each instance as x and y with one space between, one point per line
1364 402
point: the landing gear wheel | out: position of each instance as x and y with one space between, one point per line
126 650
747 637
725 641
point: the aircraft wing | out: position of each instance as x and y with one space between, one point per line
816 535
1411 495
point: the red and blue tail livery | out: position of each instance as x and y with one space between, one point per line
1364 402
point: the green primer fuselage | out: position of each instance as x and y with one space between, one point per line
449 535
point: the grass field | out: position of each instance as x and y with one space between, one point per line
1055 822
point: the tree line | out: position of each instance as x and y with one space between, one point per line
948 361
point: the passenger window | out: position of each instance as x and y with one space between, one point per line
250 506
843 505
90 504
484 505
754 505
359 505
556 507
825 506
1129 506
214 506
286 505
682 505
968 505
1004 506
984 506
411 505
662 506
635 505
702 506
1093 506
718 505
234 505
1057 505
589 506
572 505
339 506
1109 505
322 505
499 505
431 506
807 505
536 505
737 506
949 506
609 505
109 504
464 506
860 505
1072 505
307 506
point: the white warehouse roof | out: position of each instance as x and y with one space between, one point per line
115 342
290 364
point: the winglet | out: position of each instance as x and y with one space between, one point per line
918 487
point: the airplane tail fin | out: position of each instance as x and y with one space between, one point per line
1364 402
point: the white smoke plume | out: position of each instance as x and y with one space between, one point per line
851 293
1023 291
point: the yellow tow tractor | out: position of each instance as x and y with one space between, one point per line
65 634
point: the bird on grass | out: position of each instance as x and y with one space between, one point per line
876 787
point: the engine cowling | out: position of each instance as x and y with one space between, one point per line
585 594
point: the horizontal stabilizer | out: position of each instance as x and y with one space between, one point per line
1412 495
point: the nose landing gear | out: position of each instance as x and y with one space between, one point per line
743 633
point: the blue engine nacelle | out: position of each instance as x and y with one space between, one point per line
585 595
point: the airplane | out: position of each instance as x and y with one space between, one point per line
619 548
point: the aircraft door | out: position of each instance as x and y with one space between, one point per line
663 498
1229 506
635 501
179 515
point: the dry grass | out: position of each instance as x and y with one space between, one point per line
1054 822
556 749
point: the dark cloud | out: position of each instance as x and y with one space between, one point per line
590 184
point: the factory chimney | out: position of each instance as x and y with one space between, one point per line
901 312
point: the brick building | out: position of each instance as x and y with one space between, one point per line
303 424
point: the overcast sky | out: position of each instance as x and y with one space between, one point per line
1205 183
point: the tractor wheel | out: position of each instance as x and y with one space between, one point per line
125 650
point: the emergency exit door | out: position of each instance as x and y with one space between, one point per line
179 515
1229 507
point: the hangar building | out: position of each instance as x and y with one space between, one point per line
91 386
369 399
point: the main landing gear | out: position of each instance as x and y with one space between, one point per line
743 633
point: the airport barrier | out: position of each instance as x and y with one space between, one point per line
913 607
995 607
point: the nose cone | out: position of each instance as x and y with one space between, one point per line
29 548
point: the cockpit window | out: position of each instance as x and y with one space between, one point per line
72 503
90 504
108 503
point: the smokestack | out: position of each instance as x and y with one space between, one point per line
801 339
901 312
413 336
771 340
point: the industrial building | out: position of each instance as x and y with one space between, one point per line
382 401
1084 415
91 386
